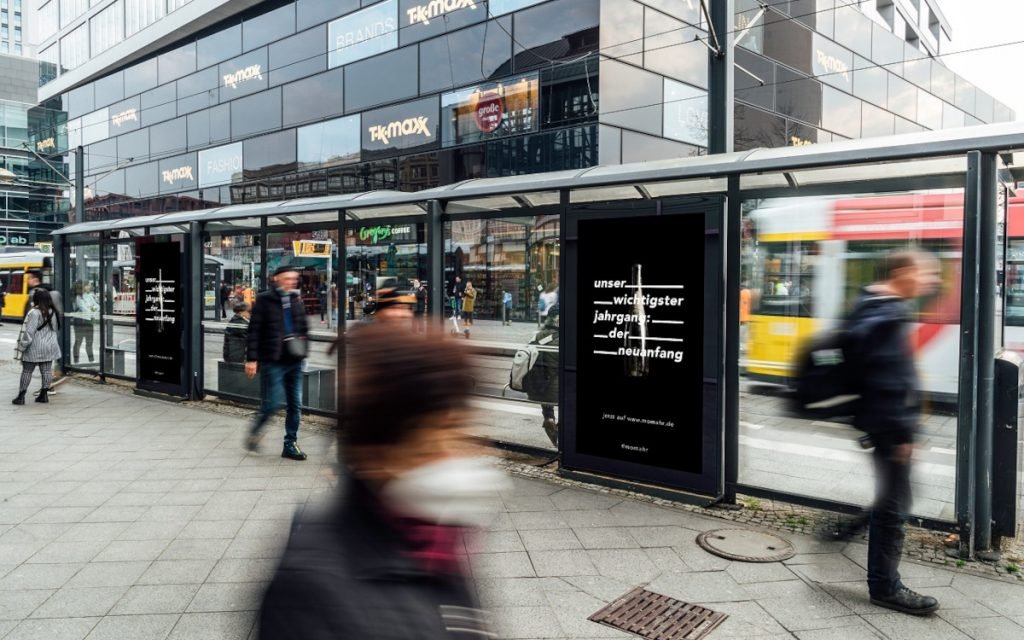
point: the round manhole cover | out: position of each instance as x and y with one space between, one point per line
745 545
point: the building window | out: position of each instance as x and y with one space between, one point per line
71 9
173 5
74 48
107 28
139 14
47 16
47 64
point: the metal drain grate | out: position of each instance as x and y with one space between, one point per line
652 615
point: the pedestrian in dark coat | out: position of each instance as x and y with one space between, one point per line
386 560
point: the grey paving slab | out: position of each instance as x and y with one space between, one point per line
606 538
563 563
136 627
631 565
549 539
156 599
214 626
61 552
39 576
526 622
811 609
495 542
132 550
897 625
243 570
73 602
746 620
18 605
514 564
177 572
195 549
572 609
53 629
228 596
109 574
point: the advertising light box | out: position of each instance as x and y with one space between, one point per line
491 110
161 314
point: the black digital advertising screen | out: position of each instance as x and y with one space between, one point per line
160 314
640 328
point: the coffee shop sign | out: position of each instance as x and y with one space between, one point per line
437 8
381 232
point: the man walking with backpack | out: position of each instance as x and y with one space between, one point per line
882 359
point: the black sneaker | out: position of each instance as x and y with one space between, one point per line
292 451
907 601
252 442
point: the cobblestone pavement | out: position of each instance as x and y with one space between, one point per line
133 518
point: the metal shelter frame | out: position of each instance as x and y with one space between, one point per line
978 160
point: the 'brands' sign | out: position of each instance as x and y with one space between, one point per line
436 8
409 127
170 176
363 33
252 72
128 115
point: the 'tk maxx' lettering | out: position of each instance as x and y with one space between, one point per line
251 72
170 176
424 12
398 129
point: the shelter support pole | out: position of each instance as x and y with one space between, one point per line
79 184
435 262
60 285
194 336
720 77
731 366
341 299
986 331
968 392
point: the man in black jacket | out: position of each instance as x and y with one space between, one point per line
276 348
889 412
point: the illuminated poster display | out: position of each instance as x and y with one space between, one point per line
490 110
642 360
160 316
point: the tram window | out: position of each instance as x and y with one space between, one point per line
17 283
1015 284
787 279
5 281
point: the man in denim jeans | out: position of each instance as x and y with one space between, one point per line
889 412
276 349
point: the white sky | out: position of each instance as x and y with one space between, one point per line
980 23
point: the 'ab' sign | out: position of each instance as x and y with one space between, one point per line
13 240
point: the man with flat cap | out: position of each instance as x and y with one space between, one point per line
277 346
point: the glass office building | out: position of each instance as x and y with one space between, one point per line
315 97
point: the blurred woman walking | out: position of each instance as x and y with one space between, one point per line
39 344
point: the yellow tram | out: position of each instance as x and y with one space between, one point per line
12 274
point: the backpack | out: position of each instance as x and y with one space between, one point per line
522 363
825 385
828 376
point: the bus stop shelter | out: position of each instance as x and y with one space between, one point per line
683 289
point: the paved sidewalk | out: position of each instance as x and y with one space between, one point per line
128 518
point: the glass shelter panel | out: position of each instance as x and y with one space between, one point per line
805 262
117 310
82 309
502 289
